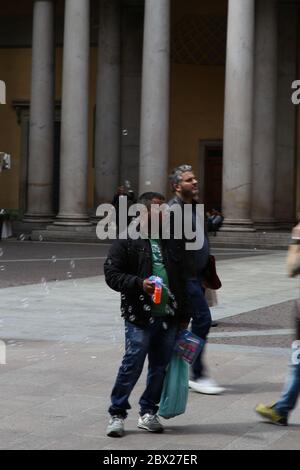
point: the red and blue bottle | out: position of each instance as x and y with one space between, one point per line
156 297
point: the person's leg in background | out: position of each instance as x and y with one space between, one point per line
279 413
290 394
201 324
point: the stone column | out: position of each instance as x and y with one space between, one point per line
286 117
41 134
108 110
265 114
154 138
131 82
74 122
237 167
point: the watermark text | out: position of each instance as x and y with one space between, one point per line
138 221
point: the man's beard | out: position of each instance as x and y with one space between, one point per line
190 193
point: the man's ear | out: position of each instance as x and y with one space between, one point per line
177 188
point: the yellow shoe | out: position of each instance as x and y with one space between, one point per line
269 413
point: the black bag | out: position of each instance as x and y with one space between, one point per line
211 278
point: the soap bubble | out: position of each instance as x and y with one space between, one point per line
25 303
45 286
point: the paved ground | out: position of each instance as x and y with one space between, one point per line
65 340
29 262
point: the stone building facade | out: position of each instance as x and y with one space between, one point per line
103 91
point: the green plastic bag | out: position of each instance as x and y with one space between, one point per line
175 390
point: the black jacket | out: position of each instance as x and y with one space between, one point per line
128 264
187 258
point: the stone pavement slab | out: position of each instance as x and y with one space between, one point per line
253 283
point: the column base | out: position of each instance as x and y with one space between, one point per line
237 225
285 225
267 225
94 219
73 220
38 218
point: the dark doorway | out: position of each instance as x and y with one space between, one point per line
213 177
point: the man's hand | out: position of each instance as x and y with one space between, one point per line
148 287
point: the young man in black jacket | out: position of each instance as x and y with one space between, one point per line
150 329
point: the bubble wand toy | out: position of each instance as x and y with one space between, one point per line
158 289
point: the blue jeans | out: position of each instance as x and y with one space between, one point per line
290 394
201 320
156 342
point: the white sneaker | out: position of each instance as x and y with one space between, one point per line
206 386
150 423
115 427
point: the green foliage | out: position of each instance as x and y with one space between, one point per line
10 214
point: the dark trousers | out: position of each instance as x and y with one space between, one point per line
201 320
157 342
